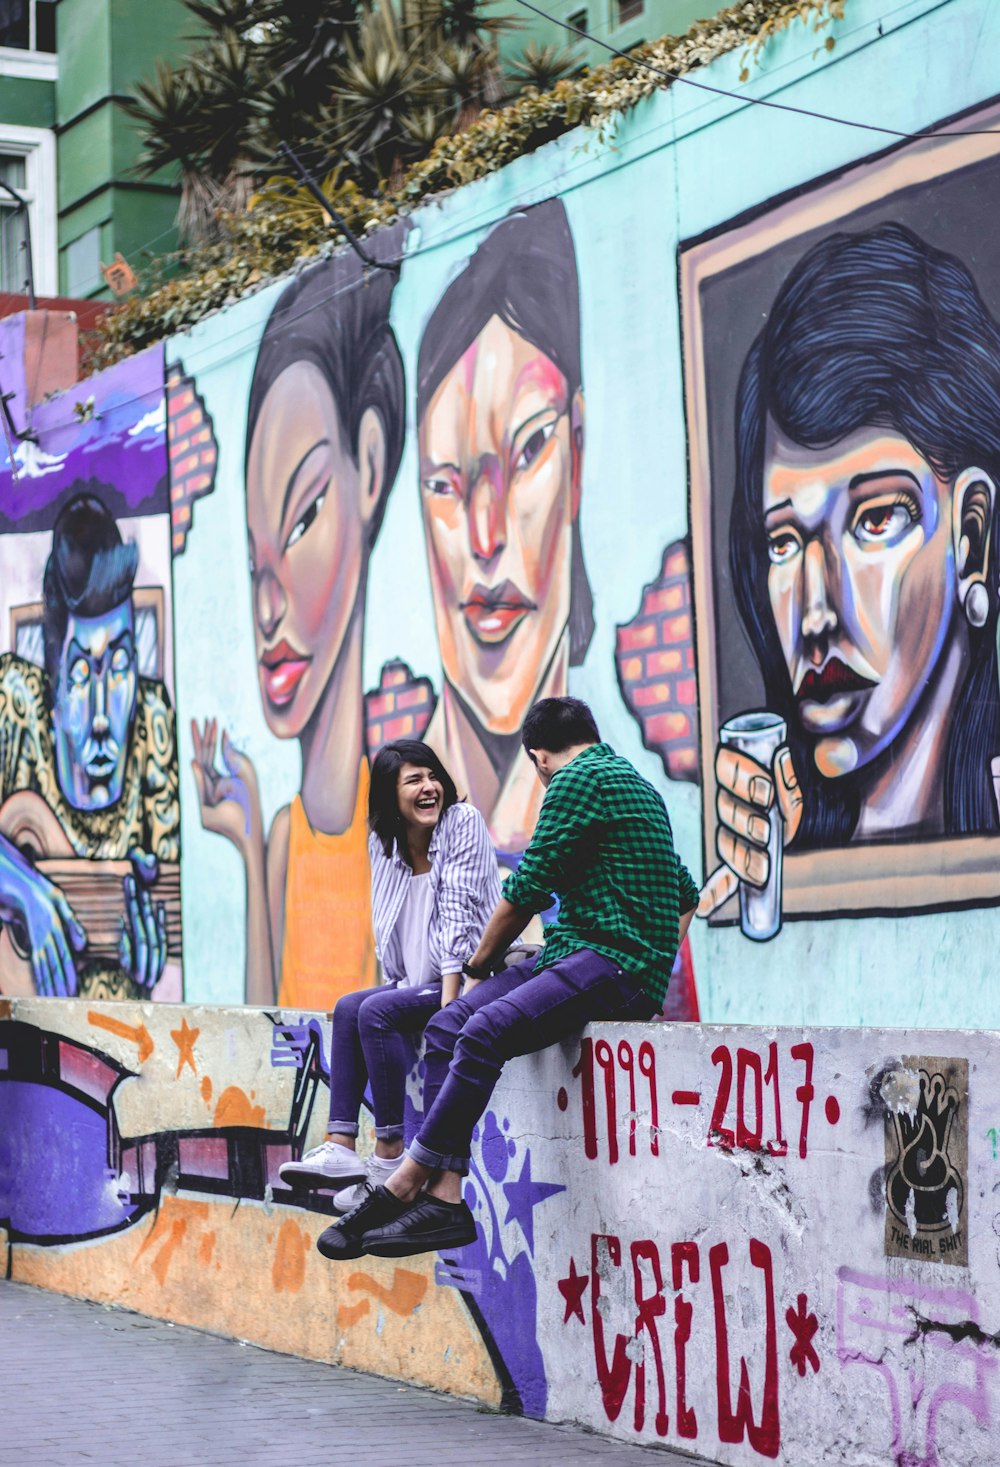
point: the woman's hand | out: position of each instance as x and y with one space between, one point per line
450 984
745 793
229 801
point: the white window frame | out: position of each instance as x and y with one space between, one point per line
15 61
37 146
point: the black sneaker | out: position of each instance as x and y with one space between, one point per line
345 1238
425 1225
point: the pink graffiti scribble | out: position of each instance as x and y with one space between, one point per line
877 1326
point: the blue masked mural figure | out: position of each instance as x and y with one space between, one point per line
87 771
500 416
862 552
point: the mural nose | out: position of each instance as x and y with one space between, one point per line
487 522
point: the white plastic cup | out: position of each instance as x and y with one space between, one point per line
761 735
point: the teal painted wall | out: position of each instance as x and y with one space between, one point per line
656 256
26 102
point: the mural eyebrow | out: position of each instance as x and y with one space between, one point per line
783 504
860 481
290 483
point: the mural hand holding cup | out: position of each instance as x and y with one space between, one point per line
229 799
759 805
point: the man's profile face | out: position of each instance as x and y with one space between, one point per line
94 706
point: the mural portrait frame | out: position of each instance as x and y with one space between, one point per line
945 872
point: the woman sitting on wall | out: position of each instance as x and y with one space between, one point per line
434 887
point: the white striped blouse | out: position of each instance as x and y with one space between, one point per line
466 885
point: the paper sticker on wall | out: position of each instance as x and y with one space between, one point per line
927 1159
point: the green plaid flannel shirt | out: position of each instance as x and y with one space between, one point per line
603 845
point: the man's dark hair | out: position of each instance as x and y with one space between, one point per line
90 570
335 317
524 273
873 330
555 724
384 819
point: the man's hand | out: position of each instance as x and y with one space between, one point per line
142 947
42 922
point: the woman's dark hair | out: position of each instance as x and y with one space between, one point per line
525 274
384 819
873 330
335 316
90 569
555 724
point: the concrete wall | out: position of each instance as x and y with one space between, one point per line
772 1244
619 508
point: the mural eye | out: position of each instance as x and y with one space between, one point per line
302 525
120 660
534 445
781 548
438 485
79 673
881 523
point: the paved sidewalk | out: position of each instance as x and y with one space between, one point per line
85 1383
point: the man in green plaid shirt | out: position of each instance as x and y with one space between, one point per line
603 845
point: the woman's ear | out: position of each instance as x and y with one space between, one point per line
371 463
973 503
576 448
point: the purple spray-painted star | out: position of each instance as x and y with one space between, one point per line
523 1196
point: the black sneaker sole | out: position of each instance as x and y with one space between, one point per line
320 1179
456 1236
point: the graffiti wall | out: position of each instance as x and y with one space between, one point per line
756 1245
695 420
89 797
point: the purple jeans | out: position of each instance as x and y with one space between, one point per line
517 1011
375 1036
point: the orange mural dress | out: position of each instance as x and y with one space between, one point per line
328 947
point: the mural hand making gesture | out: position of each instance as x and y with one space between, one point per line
746 791
229 800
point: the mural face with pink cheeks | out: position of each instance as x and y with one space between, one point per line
501 417
500 492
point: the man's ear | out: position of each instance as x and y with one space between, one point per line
576 416
973 502
371 463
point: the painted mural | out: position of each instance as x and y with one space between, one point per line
89 799
844 494
754 1245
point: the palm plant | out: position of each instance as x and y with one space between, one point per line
542 66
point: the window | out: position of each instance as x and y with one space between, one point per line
578 19
629 10
28 25
13 234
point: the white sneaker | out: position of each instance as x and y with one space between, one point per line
378 1170
328 1165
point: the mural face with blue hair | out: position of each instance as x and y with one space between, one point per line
862 535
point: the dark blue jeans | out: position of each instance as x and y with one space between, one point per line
375 1034
517 1011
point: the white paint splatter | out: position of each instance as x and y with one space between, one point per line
951 1205
910 1213
901 1091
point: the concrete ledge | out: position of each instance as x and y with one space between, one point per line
741 1242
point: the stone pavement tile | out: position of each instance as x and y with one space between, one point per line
84 1383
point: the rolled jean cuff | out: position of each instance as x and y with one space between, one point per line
389 1133
437 1160
342 1128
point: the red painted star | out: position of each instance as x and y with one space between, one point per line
572 1289
803 1326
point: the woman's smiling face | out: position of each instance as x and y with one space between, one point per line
306 544
862 586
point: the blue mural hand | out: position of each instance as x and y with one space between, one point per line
142 947
44 921
229 799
